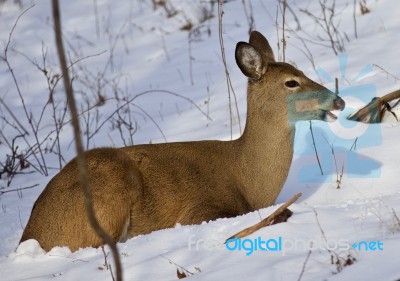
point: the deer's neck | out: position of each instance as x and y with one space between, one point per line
266 151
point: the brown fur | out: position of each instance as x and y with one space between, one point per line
143 188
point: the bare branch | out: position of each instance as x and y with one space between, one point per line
81 156
228 79
17 189
267 221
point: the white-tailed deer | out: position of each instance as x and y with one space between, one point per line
143 188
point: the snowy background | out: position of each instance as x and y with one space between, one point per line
143 74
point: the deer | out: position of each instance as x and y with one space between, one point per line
143 188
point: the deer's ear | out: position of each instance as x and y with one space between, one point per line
249 61
261 44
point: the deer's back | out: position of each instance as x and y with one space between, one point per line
185 183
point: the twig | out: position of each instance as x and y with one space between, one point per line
396 217
17 189
249 16
228 79
267 221
106 264
354 145
19 217
112 274
142 94
42 164
177 265
338 177
319 226
13 116
354 18
391 96
315 148
333 254
96 16
152 120
328 25
307 52
283 31
13 28
305 263
387 72
336 86
81 157
278 45
190 57
296 19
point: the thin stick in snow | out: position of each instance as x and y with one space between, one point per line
267 221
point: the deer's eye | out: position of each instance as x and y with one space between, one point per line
291 84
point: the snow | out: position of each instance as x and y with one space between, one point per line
139 49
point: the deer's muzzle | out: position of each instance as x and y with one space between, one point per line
339 104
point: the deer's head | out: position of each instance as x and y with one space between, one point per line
277 88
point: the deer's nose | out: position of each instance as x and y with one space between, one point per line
339 103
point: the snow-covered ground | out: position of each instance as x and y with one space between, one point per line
126 48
